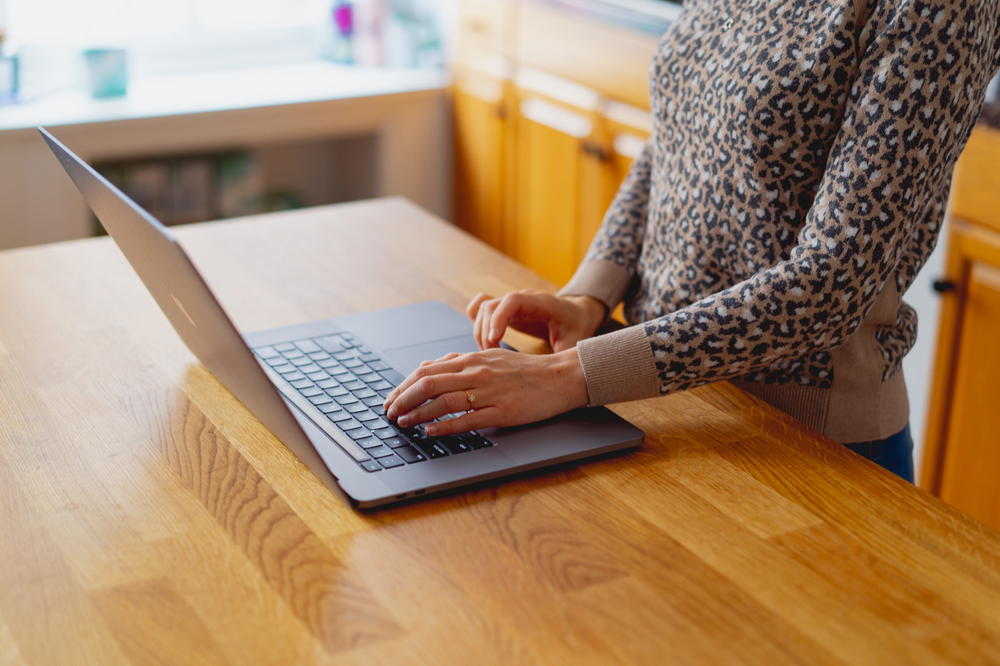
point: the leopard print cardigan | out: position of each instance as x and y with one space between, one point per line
794 184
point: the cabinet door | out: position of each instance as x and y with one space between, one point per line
551 137
971 467
622 134
480 126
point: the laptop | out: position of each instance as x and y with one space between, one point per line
319 386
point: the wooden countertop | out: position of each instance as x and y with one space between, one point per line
146 517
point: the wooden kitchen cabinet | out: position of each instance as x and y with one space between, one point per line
555 129
541 148
481 143
962 453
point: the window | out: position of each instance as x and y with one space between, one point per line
171 36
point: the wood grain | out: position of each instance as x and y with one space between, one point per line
148 518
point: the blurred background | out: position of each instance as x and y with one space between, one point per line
516 119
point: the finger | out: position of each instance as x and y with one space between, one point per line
427 388
509 307
481 418
488 343
446 357
447 403
472 309
483 320
453 364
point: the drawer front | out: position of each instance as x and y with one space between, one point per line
618 68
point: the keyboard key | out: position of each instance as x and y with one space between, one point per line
364 393
375 402
454 444
477 441
331 343
320 356
370 419
277 360
285 347
311 391
359 434
307 346
328 363
383 387
341 416
346 399
301 361
310 367
267 352
432 449
378 366
344 355
370 378
317 376
301 384
293 353
321 399
341 372
331 408
337 392
368 441
352 363
284 368
294 375
396 442
356 407
380 451
390 461
392 376
410 454
386 433
348 426
353 386
371 466
328 384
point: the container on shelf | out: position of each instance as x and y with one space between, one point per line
107 70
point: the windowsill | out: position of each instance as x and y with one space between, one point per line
158 96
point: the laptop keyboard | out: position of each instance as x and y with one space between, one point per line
341 384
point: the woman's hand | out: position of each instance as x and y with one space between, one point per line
501 387
561 320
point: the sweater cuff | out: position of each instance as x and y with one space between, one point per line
601 279
619 366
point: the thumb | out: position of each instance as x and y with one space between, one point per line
560 339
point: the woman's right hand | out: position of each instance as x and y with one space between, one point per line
561 320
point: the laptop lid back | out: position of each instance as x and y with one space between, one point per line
188 304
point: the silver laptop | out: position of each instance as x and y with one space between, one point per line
319 386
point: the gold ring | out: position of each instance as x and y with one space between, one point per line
471 397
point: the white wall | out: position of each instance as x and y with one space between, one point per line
919 363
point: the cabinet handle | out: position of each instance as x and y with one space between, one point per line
943 285
596 150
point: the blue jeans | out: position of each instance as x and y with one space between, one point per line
894 453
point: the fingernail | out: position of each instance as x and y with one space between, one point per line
432 429
391 414
405 420
494 334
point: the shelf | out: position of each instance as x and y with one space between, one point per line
220 91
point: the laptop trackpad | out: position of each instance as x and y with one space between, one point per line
406 359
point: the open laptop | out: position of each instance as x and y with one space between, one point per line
319 386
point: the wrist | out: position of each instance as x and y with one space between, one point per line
592 312
569 378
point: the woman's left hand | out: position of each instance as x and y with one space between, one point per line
499 386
